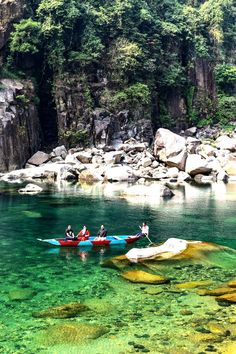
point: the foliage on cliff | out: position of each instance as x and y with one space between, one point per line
145 51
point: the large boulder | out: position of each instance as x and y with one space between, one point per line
195 164
39 158
60 151
119 173
89 176
224 142
170 148
112 157
84 156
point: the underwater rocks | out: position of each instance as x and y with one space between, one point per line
63 311
118 262
21 294
71 333
232 283
227 297
139 276
216 292
193 284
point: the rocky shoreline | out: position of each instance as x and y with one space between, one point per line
203 155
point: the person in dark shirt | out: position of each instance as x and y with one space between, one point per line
69 233
102 233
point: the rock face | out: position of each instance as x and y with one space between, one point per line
19 124
10 11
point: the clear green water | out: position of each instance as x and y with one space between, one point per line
130 313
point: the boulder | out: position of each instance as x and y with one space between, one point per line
113 157
193 284
84 156
139 276
39 158
190 131
70 333
222 176
232 283
60 151
170 148
67 173
197 165
224 142
230 167
21 294
30 188
71 159
172 172
63 311
89 176
192 145
227 297
199 178
119 173
205 150
146 161
166 192
183 176
216 292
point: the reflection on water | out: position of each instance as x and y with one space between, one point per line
136 317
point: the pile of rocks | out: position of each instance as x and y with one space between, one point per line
173 158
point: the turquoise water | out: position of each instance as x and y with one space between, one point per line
133 319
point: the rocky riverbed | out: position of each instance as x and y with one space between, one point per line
203 155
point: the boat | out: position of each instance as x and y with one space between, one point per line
92 241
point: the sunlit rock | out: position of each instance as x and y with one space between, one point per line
232 283
194 284
139 276
30 189
63 311
89 176
70 333
227 297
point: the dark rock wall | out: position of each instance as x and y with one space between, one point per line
19 124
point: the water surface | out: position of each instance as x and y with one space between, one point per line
135 320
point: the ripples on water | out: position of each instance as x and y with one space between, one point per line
136 317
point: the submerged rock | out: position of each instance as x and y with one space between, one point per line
193 284
227 297
118 262
71 333
216 292
63 311
139 276
21 294
232 283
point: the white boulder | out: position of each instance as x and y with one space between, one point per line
30 189
195 164
119 173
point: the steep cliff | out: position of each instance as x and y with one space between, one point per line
19 124
10 12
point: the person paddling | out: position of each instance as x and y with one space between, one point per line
69 233
102 233
144 231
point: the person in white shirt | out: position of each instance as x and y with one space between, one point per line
144 229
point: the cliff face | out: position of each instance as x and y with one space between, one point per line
19 124
10 12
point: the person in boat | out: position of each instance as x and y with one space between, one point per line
102 233
84 233
69 233
144 230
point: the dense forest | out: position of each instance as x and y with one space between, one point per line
125 64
